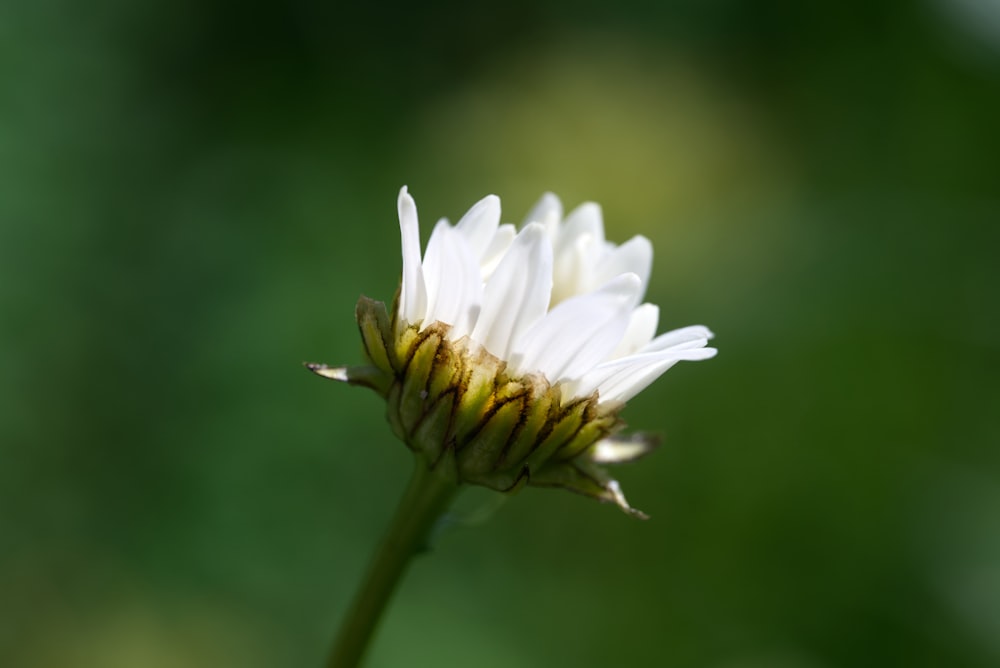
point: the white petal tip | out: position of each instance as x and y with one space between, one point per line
532 231
696 330
547 211
406 208
633 279
628 284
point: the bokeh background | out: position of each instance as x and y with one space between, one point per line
193 195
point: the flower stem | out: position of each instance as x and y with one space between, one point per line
426 498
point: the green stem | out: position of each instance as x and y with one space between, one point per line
427 497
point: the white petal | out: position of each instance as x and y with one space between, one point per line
635 255
548 211
572 269
579 333
622 379
454 289
479 224
413 294
641 330
502 240
585 219
686 337
517 295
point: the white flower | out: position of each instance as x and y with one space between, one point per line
509 354
555 298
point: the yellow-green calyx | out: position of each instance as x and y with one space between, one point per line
456 406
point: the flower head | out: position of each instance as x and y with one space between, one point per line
508 354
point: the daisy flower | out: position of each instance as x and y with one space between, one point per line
509 353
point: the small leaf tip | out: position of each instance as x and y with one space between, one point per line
333 373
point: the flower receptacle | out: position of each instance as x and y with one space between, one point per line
457 406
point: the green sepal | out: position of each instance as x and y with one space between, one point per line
392 413
595 428
483 453
565 427
447 366
402 348
413 401
540 404
584 477
509 481
476 394
376 333
430 435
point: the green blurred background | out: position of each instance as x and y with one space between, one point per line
194 194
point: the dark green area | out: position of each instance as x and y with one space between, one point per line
193 195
